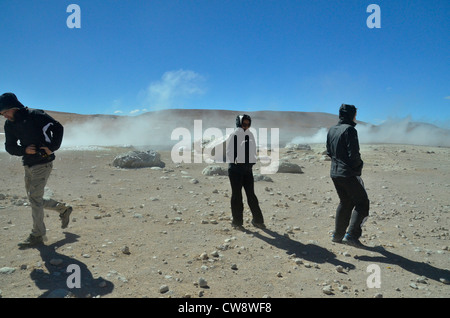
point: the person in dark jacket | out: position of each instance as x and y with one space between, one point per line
346 168
35 136
241 156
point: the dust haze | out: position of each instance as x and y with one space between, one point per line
154 129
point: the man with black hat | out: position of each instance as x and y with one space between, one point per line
35 136
346 168
241 156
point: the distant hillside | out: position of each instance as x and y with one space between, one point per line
290 123
156 127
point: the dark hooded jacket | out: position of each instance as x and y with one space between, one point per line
33 127
343 145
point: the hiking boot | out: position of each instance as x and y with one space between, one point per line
336 239
352 241
65 217
31 241
236 226
258 225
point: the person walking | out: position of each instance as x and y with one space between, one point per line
345 171
35 136
241 156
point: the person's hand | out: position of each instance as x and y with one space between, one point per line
30 150
47 151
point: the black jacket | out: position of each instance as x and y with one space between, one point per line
241 147
32 127
343 148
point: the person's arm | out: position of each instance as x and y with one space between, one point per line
11 143
354 155
52 131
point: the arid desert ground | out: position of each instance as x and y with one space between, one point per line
166 232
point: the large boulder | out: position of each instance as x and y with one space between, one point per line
285 167
139 159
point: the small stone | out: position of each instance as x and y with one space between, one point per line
234 267
327 290
163 289
339 269
126 250
444 281
202 282
422 280
378 295
56 261
7 270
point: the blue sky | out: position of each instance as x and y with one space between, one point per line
131 56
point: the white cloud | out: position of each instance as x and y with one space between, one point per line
173 88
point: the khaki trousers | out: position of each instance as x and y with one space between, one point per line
35 180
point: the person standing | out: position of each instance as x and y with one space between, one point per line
345 171
241 156
35 136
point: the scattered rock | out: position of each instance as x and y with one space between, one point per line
56 261
126 250
7 270
163 289
261 177
202 283
340 269
327 290
215 170
139 159
288 167
294 146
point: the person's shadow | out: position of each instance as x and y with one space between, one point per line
417 268
310 252
67 276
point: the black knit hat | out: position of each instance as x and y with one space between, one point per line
347 112
8 101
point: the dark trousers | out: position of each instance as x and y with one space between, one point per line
242 176
353 207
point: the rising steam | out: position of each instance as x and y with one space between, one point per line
391 132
